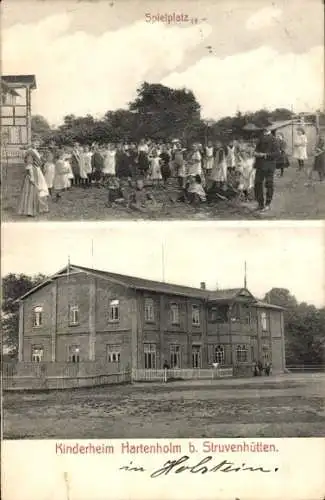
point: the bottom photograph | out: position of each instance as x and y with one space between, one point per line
162 330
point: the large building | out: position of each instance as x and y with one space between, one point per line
16 110
83 314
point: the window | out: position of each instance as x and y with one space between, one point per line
241 354
218 314
74 354
264 321
150 356
74 315
196 356
149 311
235 313
195 315
37 353
174 313
219 354
20 121
38 316
113 353
114 310
175 356
248 317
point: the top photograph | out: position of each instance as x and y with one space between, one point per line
121 110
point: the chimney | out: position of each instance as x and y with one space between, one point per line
202 285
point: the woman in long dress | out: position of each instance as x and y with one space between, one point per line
34 194
300 148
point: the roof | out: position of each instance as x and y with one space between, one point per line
266 305
251 127
285 123
5 88
13 80
152 286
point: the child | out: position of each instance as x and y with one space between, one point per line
87 161
114 191
179 164
247 173
165 165
33 198
69 176
109 169
61 173
155 172
319 162
97 165
49 171
209 158
195 193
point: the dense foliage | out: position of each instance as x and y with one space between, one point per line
13 287
157 112
304 328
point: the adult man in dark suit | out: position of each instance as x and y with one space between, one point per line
267 153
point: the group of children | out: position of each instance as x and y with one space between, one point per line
202 172
197 169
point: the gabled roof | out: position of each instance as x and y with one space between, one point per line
13 80
152 286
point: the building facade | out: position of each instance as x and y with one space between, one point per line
16 109
82 314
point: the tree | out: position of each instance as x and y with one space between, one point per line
164 113
304 328
40 127
13 287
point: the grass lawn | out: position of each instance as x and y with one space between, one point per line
283 406
292 200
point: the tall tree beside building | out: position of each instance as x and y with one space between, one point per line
13 287
40 128
304 328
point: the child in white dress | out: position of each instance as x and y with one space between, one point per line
109 162
155 171
49 171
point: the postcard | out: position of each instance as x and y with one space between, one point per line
163 265
145 361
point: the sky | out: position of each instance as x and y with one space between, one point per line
90 57
283 255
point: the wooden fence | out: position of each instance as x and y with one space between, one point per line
63 375
44 376
142 375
